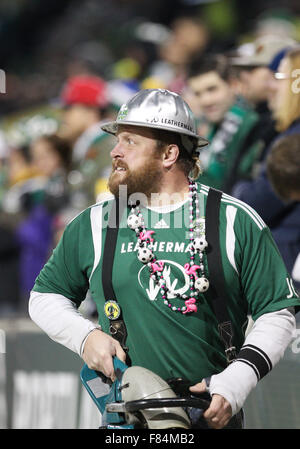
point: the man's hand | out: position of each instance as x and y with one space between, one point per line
219 412
98 351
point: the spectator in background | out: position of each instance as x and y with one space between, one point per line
21 178
283 167
283 170
282 218
86 106
230 123
254 66
52 155
188 37
251 63
35 234
272 84
266 127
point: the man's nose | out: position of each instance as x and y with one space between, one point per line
206 100
116 151
273 85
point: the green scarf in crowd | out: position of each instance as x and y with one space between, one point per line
232 152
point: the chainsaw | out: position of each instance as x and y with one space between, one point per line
140 399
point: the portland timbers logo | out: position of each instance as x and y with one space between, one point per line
176 280
122 112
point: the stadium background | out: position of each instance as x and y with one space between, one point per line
42 44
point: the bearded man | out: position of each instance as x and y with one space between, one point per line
163 285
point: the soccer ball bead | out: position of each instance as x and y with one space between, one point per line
134 221
200 244
201 284
145 255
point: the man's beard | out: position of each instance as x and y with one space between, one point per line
145 180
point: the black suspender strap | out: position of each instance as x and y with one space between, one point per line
113 311
216 273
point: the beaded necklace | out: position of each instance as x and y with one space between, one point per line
198 281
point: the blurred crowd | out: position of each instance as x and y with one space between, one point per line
243 87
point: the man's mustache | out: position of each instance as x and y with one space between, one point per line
119 164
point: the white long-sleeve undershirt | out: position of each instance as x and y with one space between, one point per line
271 333
59 318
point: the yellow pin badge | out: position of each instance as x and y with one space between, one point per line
112 310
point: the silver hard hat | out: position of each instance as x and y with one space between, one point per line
160 109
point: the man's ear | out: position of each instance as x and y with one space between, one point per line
170 155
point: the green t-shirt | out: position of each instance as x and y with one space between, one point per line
167 342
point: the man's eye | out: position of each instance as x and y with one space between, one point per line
212 89
130 141
197 93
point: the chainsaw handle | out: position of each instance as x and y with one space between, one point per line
142 404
